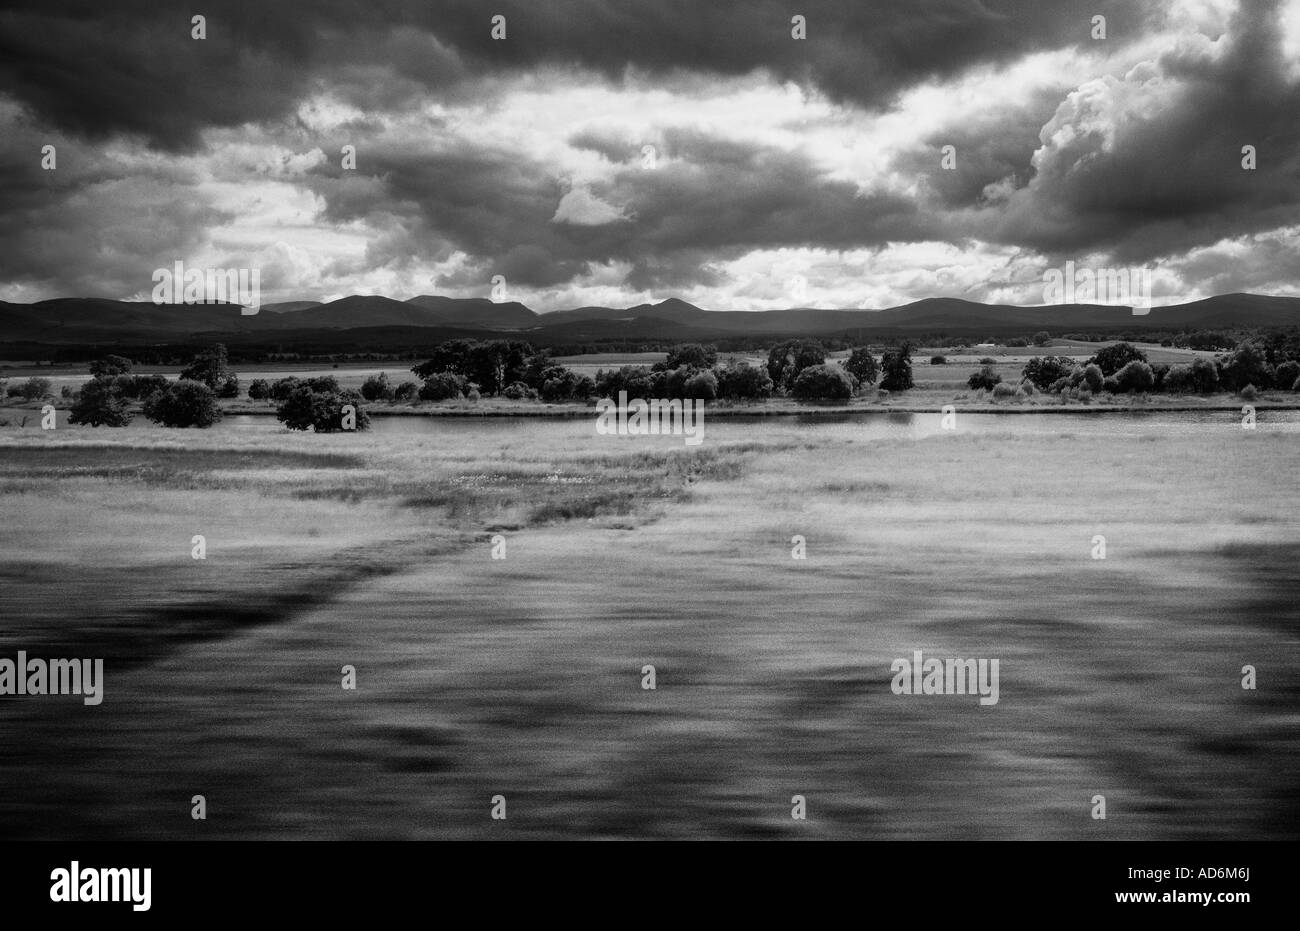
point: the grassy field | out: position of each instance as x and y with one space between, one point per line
522 676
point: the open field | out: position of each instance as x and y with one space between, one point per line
521 676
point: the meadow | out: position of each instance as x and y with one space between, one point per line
522 676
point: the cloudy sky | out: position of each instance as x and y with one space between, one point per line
613 152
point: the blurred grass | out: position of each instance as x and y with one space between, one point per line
522 676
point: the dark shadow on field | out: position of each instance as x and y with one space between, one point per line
1120 681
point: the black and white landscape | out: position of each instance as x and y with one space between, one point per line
655 420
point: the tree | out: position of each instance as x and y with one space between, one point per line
259 389
229 387
281 388
1041 371
1093 377
1110 359
441 386
406 391
377 388
110 365
1245 365
896 368
744 382
100 404
322 411
823 382
1286 374
938 360
185 403
33 389
1135 377
862 365
786 360
692 355
984 380
210 366
1041 338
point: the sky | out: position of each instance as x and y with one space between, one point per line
618 152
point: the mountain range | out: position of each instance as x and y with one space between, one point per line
373 320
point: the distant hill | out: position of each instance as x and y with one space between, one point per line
97 321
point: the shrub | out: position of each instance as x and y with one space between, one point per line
33 389
1061 384
896 369
443 385
985 379
1017 342
703 386
861 364
744 382
259 389
1003 390
66 392
823 382
1041 371
100 404
1110 359
229 387
1249 393
988 360
185 403
1135 378
323 411
1110 384
1041 338
1287 374
938 360
406 391
1093 377
1027 387
518 391
377 388
1199 376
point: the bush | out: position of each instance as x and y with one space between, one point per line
1245 365
1287 374
406 391
33 389
518 391
1003 390
185 403
1041 338
1110 384
1027 387
1041 371
703 386
938 360
823 382
984 380
744 382
100 404
1135 378
1249 393
988 360
896 369
376 388
229 387
861 364
259 389
566 385
1060 385
441 386
1093 377
66 392
323 411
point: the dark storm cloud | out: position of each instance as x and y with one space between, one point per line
707 198
132 67
1171 177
